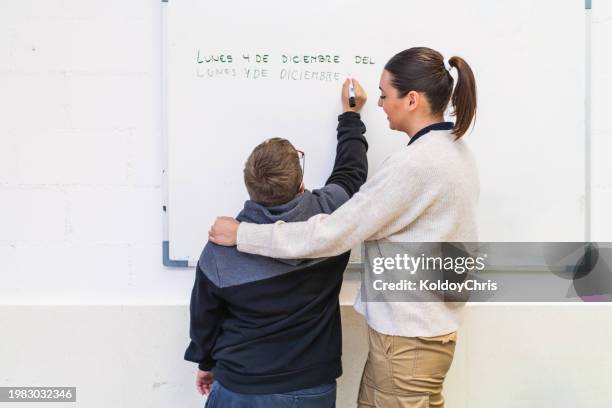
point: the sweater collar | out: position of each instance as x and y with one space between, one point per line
435 126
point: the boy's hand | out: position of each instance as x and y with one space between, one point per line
204 381
224 231
360 96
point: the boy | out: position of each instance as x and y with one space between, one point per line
268 331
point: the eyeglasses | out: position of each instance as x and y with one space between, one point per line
302 158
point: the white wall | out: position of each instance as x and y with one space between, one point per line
508 356
80 154
80 206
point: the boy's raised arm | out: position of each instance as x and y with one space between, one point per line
351 163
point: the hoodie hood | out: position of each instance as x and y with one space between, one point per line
298 209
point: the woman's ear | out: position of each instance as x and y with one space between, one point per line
301 190
412 100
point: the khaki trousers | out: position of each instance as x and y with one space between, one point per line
405 372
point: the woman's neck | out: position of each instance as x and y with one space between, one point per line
417 125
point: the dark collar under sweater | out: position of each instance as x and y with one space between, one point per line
435 126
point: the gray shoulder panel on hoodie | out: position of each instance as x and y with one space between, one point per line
226 266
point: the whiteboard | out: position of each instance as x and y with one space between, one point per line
239 72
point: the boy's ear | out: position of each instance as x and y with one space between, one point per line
301 189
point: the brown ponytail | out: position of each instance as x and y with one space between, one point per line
422 69
464 96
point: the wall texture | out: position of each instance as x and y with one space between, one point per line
80 154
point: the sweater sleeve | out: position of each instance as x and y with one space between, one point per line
389 202
207 311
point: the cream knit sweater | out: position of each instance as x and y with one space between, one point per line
426 192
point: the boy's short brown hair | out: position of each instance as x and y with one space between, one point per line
272 173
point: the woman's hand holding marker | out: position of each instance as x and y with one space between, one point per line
352 90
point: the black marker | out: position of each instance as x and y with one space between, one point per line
352 100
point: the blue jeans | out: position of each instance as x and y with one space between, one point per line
322 396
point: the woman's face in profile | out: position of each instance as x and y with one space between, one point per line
390 101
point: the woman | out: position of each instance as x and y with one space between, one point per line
427 192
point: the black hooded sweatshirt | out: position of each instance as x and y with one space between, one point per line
266 325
